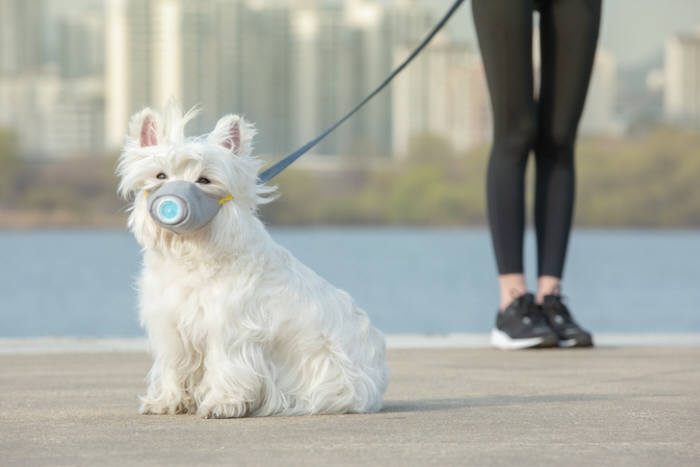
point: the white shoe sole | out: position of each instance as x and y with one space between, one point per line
568 343
503 341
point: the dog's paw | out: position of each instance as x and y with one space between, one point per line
224 410
153 408
160 407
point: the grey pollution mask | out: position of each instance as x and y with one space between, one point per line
182 207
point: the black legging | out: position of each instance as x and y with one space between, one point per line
568 36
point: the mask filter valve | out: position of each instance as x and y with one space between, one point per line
170 210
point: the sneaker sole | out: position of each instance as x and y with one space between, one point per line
503 341
571 343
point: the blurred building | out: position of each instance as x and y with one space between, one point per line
292 67
339 52
600 111
52 116
51 92
443 93
75 72
216 54
21 36
21 62
342 53
80 47
128 45
682 79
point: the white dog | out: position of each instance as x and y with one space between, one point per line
237 325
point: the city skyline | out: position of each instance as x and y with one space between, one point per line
633 30
312 60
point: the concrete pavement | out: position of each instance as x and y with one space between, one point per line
451 406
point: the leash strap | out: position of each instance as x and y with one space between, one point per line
270 172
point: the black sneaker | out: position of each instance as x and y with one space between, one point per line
521 325
560 320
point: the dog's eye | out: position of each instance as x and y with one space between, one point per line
161 176
203 180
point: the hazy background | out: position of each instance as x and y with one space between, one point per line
73 71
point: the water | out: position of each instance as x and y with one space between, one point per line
80 282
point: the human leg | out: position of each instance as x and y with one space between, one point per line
569 33
504 30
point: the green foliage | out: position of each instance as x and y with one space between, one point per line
650 179
10 165
299 199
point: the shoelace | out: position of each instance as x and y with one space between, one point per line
532 313
561 309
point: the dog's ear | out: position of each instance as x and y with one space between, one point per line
233 133
145 127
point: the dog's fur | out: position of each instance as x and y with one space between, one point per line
237 325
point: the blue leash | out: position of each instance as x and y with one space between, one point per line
270 172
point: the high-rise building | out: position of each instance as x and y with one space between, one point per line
80 45
600 112
52 116
682 79
219 55
442 93
292 67
22 23
128 62
166 35
73 118
51 92
337 52
343 52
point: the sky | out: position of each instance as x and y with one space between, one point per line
635 30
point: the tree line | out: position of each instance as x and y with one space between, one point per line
650 179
